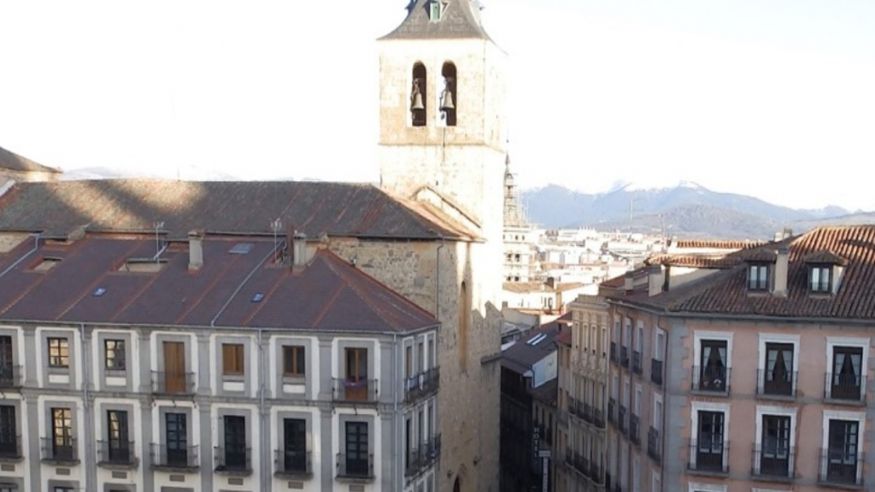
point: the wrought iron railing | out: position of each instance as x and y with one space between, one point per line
362 390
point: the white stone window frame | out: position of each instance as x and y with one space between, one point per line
627 332
701 335
765 338
860 418
657 351
654 422
706 487
639 337
707 406
636 403
763 410
831 343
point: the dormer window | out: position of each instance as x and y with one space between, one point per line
820 279
435 10
758 277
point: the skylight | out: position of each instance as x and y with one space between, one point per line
241 249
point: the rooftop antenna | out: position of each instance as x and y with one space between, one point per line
276 225
158 226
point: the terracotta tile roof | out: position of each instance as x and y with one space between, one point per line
14 162
328 294
692 261
716 244
725 292
218 207
825 257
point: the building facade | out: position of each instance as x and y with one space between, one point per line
755 368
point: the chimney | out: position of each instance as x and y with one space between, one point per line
782 265
655 280
299 249
629 281
195 250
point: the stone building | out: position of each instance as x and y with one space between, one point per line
520 237
431 231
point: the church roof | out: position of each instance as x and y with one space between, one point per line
14 162
460 20
58 209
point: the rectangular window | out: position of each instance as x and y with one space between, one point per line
295 438
778 369
420 356
819 278
176 439
775 457
62 433
712 366
6 361
8 431
232 359
117 434
356 364
408 360
114 354
846 377
758 277
293 361
842 454
357 449
59 352
709 442
235 442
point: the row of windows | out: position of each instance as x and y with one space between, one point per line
821 278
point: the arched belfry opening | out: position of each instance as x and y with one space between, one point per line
449 97
418 94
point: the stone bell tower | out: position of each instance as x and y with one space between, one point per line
442 141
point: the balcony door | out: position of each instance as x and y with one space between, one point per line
117 432
713 364
235 442
356 374
176 438
6 373
357 448
709 443
779 369
174 367
846 372
775 458
8 431
842 452
295 438
62 433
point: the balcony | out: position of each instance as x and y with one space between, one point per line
710 382
59 451
624 356
598 418
654 447
772 463
114 453
10 376
355 467
614 352
634 429
349 390
621 419
235 461
165 383
636 362
656 371
596 473
291 463
177 458
845 388
839 469
612 415
422 384
772 384
708 456
10 448
574 407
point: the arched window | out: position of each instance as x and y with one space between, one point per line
418 95
449 97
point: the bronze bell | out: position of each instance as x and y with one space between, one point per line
447 103
417 104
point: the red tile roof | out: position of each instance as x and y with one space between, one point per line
328 294
717 244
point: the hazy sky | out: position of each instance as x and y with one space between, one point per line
774 98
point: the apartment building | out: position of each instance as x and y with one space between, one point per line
753 372
581 443
216 363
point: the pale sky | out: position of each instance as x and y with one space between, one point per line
773 98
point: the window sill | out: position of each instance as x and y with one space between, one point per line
293 475
176 468
110 465
840 485
233 378
234 472
769 396
707 473
716 394
294 379
354 479
846 403
115 373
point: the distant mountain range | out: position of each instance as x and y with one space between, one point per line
686 210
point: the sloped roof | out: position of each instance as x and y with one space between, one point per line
725 292
328 294
521 356
219 207
14 162
460 20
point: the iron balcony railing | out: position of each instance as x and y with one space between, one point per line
634 429
596 472
237 460
654 447
587 413
116 452
656 371
837 467
574 407
774 383
349 390
292 462
709 455
614 352
845 387
624 356
598 418
421 384
774 461
60 450
621 418
636 361
10 376
713 381
176 457
612 414
10 447
165 383
355 466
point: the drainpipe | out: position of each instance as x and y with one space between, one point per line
398 427
87 416
263 413
665 360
